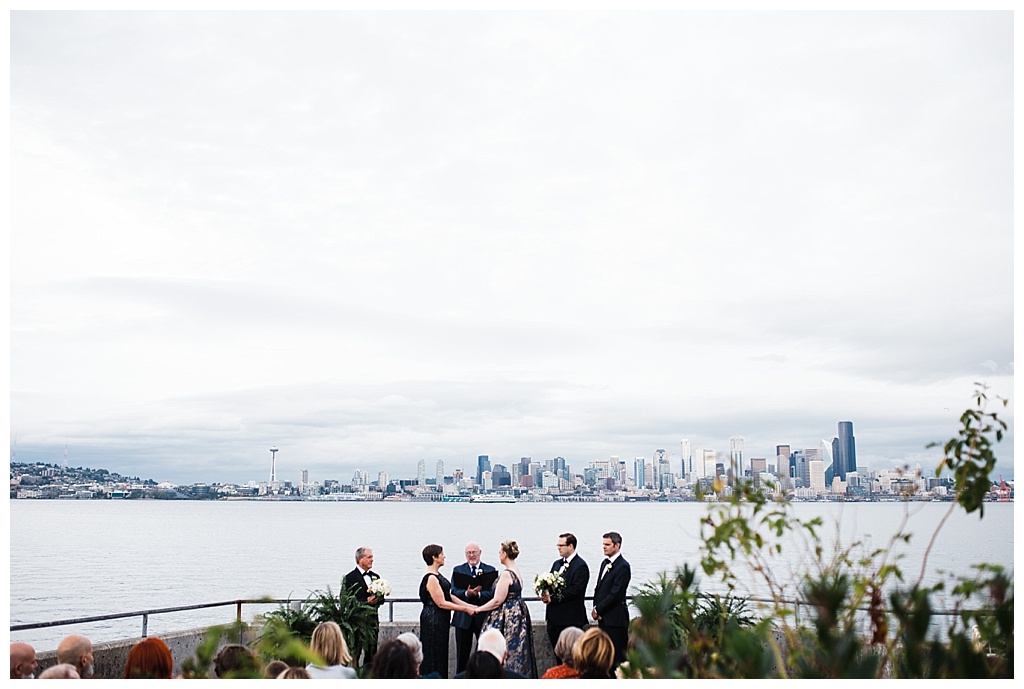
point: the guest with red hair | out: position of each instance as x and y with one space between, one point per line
149 659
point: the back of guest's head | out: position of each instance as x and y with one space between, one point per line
295 673
414 644
329 643
274 668
511 549
569 539
566 643
483 665
431 552
149 659
493 641
62 671
394 660
235 660
594 653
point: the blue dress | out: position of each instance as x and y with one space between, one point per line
512 619
434 623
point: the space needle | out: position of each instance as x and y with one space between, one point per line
273 465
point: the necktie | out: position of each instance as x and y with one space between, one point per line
475 572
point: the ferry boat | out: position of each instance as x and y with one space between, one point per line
492 498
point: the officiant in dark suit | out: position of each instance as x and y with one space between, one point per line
358 581
610 609
468 626
569 609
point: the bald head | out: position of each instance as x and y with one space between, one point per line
62 671
76 650
23 661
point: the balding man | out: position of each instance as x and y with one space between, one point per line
62 671
23 661
76 650
467 626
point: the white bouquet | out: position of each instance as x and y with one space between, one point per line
380 588
551 583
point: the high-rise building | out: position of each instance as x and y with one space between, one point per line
846 461
708 463
735 458
421 472
639 472
439 476
686 457
816 476
483 463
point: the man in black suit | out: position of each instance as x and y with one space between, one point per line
610 609
467 626
568 610
358 581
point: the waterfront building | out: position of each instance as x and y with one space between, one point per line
847 459
439 475
816 476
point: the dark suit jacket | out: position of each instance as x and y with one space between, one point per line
463 620
610 594
570 611
354 581
509 674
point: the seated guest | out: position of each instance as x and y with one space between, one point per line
62 671
149 659
23 661
413 642
76 650
394 660
295 673
492 641
236 661
563 649
274 668
594 655
483 665
328 643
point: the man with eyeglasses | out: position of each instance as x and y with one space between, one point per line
468 626
569 609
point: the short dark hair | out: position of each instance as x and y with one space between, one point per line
569 539
614 537
394 660
483 665
430 552
235 660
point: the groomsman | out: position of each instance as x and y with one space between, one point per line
468 626
610 608
569 610
358 581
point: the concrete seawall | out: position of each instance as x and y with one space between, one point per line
110 658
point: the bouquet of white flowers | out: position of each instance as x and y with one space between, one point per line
380 588
551 583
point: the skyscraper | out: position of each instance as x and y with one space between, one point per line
483 463
735 458
686 456
421 472
847 459
639 472
439 476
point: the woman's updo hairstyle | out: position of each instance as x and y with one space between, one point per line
511 549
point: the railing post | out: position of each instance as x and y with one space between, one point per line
145 625
238 619
391 611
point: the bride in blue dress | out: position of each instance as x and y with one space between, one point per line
509 614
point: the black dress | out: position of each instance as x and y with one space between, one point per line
434 623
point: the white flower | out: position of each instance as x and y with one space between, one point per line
380 587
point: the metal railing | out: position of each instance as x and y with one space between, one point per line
390 602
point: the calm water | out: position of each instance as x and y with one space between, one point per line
82 558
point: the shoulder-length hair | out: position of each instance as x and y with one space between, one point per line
149 659
329 643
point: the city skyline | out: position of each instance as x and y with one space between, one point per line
373 238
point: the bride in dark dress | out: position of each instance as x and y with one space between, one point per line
436 616
509 614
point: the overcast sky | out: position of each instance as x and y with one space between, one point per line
369 239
